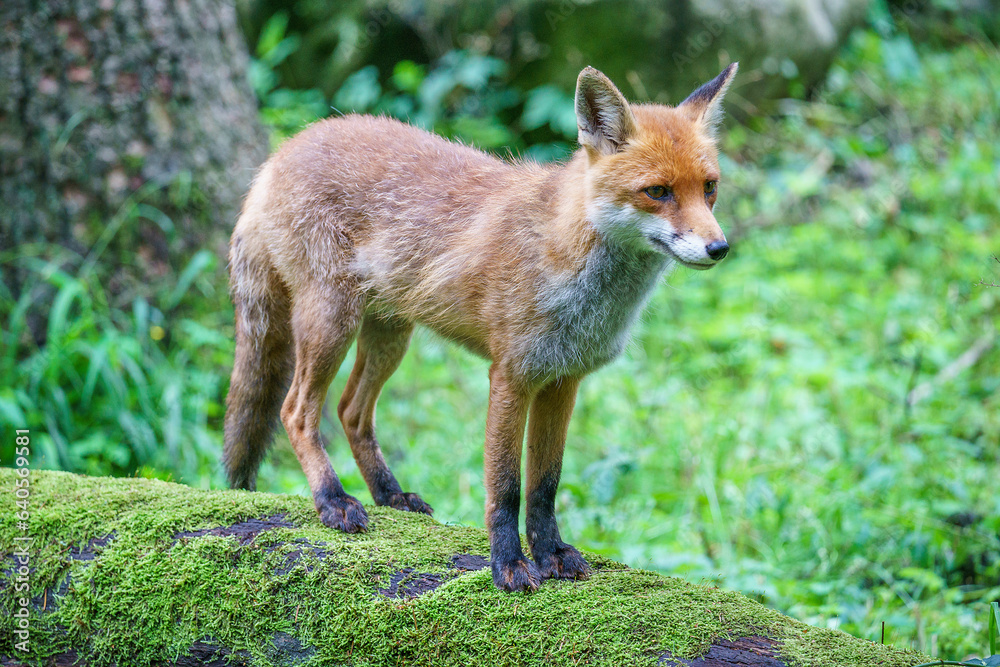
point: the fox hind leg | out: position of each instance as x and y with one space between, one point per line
323 330
382 344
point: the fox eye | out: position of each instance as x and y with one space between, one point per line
711 187
658 192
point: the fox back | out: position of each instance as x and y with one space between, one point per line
360 227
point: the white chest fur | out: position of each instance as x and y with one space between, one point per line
591 313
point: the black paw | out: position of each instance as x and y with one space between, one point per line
342 512
408 502
519 574
565 562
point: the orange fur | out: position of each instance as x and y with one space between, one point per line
362 224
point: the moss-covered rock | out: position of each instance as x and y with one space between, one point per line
142 572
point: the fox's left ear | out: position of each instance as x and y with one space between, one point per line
705 104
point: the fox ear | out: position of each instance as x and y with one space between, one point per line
705 104
603 115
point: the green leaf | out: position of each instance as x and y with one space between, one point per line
474 71
272 34
359 92
482 132
58 316
10 409
994 627
901 60
201 262
154 214
550 105
407 76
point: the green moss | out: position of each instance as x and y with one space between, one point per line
148 596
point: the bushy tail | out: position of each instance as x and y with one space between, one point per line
263 366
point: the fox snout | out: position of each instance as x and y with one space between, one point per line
692 251
704 245
685 231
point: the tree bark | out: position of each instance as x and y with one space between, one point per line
106 104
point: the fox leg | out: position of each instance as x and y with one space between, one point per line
547 426
381 346
323 330
505 419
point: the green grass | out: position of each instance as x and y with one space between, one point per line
757 434
116 387
146 597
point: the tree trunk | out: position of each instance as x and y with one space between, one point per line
141 572
124 124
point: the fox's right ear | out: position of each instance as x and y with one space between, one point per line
603 116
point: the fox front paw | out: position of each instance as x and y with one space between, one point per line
408 502
519 574
565 562
342 512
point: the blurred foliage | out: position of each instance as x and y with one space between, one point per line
463 97
756 434
659 50
942 22
112 387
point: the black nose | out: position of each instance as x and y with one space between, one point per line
717 249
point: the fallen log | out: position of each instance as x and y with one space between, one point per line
142 572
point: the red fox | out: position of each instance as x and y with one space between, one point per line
361 227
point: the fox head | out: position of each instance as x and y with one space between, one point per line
653 173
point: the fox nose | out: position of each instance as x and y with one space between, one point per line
717 249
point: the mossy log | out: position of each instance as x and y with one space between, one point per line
143 572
